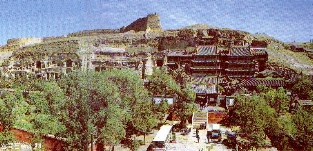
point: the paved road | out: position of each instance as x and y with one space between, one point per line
190 143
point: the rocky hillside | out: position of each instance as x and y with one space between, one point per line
146 35
281 54
28 54
284 57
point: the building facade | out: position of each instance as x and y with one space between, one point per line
234 62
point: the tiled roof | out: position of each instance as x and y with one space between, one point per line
205 85
266 82
201 79
258 51
240 51
206 50
207 89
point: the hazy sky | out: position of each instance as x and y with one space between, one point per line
286 20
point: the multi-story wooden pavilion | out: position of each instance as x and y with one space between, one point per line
234 62
206 61
260 57
239 63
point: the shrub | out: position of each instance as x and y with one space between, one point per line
134 145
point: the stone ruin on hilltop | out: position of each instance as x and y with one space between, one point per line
149 23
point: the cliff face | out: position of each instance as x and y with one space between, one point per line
151 22
24 41
16 43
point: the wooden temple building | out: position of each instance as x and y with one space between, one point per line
239 63
208 65
205 89
260 57
234 62
206 61
175 59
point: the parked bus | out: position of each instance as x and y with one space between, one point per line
163 136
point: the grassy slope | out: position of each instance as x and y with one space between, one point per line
297 61
281 56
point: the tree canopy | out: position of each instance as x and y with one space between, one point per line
265 113
107 105
303 88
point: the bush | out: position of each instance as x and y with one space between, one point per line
134 145
131 144
174 136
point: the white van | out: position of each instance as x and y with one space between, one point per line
163 136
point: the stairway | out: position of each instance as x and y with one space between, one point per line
199 118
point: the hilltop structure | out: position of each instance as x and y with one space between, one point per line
149 23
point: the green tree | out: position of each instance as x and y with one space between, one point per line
134 98
161 109
253 116
303 123
7 118
265 114
114 129
76 115
42 110
81 105
261 88
161 82
103 104
277 99
303 88
184 110
281 103
143 119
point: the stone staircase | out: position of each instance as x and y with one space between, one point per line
199 118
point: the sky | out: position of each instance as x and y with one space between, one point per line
285 20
